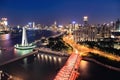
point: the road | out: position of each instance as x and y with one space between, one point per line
84 50
70 70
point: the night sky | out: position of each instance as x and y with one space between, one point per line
63 11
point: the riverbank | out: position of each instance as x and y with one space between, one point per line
66 44
84 51
101 63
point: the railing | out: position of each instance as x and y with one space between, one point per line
70 69
19 58
49 51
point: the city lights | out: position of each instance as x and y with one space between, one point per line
60 40
73 22
85 18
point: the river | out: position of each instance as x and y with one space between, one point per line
40 68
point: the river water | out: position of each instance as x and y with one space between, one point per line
39 68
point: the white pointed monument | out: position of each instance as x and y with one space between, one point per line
24 45
24 37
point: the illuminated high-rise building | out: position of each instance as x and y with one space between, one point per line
118 25
33 24
4 24
73 26
85 19
105 32
116 32
30 25
85 34
55 24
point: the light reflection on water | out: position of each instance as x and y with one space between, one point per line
39 67
4 36
25 61
5 41
84 67
60 60
49 58
22 52
54 59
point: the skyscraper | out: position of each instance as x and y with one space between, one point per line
118 24
4 24
85 19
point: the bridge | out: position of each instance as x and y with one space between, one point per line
19 58
58 35
70 70
38 52
50 52
34 53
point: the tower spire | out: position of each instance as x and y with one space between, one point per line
24 37
24 45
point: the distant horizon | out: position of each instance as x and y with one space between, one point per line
20 12
59 23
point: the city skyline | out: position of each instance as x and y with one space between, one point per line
63 11
60 40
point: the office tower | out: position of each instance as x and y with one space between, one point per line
85 19
118 24
4 24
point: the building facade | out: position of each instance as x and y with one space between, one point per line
85 34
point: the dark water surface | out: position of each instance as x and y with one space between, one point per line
7 42
93 71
